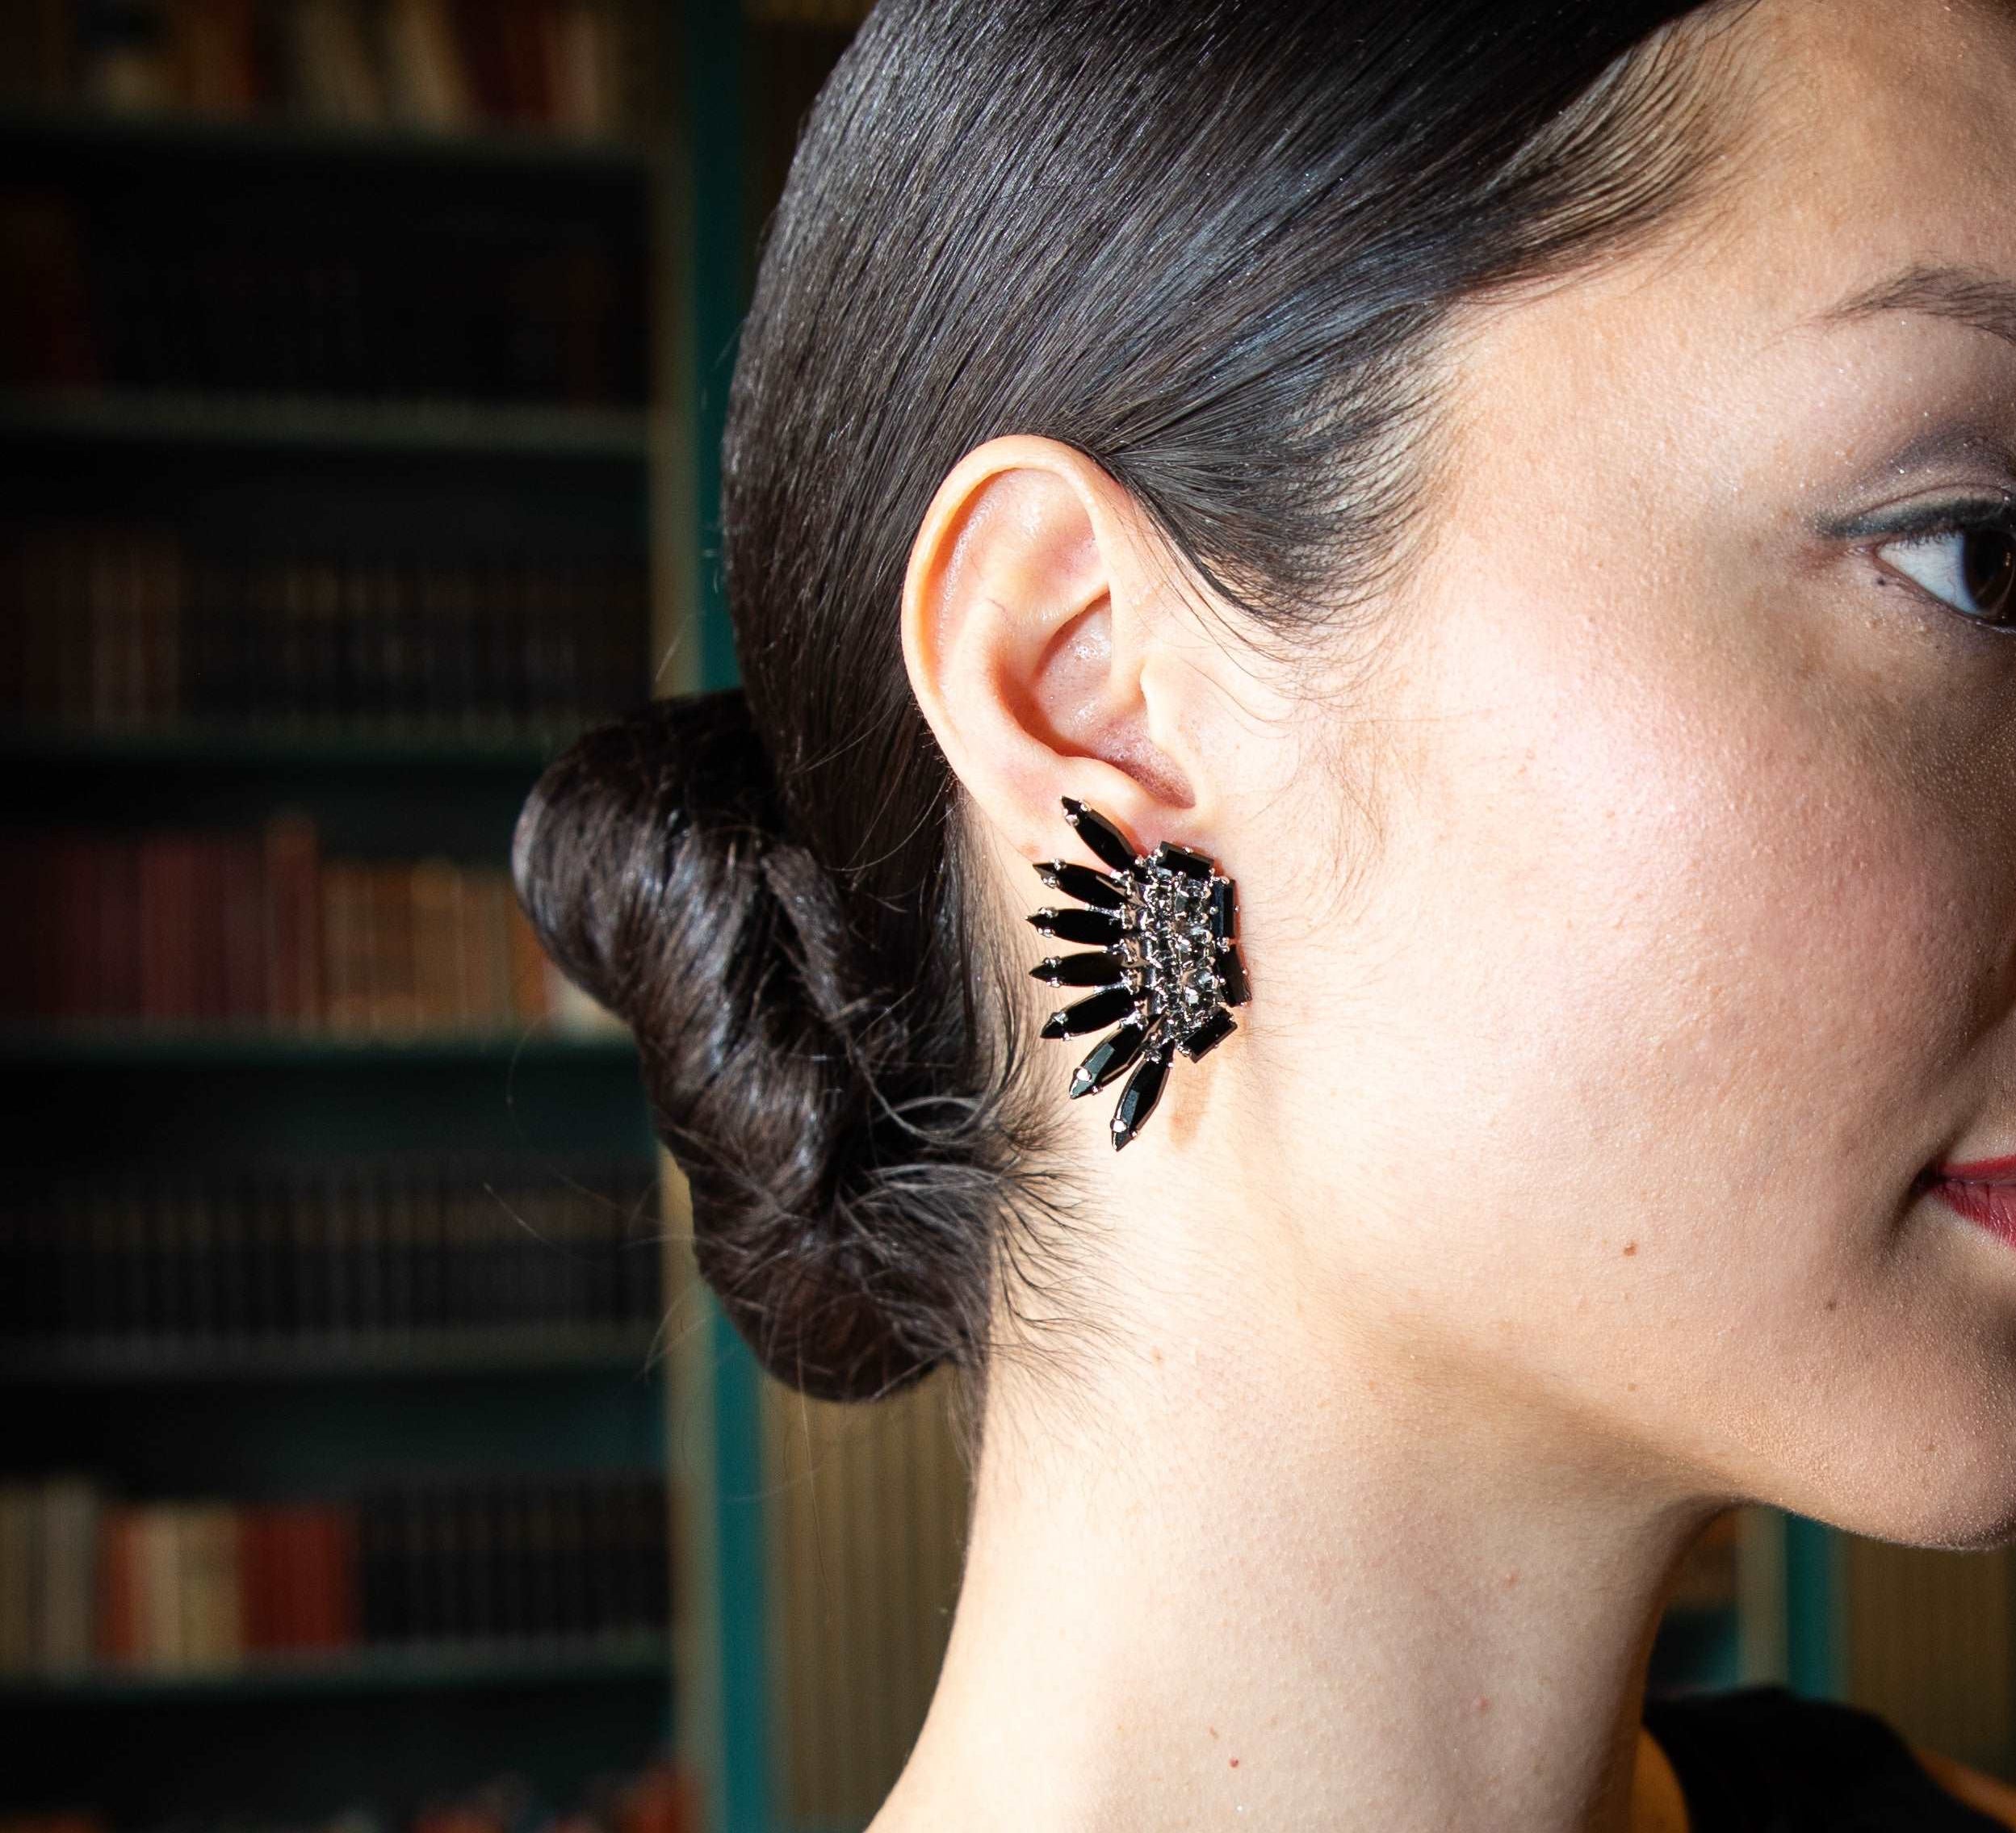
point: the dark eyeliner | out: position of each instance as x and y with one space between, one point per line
1954 516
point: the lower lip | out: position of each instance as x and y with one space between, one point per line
1993 1206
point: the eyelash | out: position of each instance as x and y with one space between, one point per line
1936 519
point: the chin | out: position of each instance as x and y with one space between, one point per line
1969 1507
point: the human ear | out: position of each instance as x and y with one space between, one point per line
1037 646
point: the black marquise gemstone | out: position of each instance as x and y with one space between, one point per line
1232 977
1100 834
1117 1050
1094 926
1082 883
1224 911
1138 1098
1098 970
1214 1029
1192 865
1089 1014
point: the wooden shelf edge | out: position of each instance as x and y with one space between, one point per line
486 147
271 745
476 1350
460 429
180 1047
393 1667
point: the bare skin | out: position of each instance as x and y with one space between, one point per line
1556 1190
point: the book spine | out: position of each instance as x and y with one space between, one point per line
19 1556
172 1260
294 943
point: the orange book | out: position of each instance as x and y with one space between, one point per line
439 974
118 1566
212 52
531 997
575 57
486 957
212 1624
161 1585
349 953
662 1798
393 988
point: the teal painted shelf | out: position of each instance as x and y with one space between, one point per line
362 1671
520 1350
1815 1589
451 428
80 1045
283 747
70 132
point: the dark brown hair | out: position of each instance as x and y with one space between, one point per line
1207 243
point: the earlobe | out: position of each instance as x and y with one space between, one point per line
1028 627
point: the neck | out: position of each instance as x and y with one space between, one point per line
1255 1594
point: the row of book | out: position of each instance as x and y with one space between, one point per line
661 1796
114 626
256 930
90 1580
566 66
323 1256
287 292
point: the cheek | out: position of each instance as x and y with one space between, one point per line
1713 913
1703 946
1739 933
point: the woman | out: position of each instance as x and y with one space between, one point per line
1525 491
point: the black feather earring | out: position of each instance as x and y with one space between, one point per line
1166 967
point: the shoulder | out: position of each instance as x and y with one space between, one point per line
1987 1794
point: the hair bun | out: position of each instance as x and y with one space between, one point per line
653 861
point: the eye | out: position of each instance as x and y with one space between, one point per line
1965 556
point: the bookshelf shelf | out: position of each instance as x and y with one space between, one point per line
347 1356
452 429
370 1670
71 133
269 747
78 1046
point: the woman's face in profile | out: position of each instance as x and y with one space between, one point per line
1691 941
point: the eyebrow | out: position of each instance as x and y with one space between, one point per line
1969 296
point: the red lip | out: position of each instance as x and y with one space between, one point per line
1980 1171
1993 1206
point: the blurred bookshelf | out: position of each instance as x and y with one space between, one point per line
345 417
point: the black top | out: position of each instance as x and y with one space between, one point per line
1765 1760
